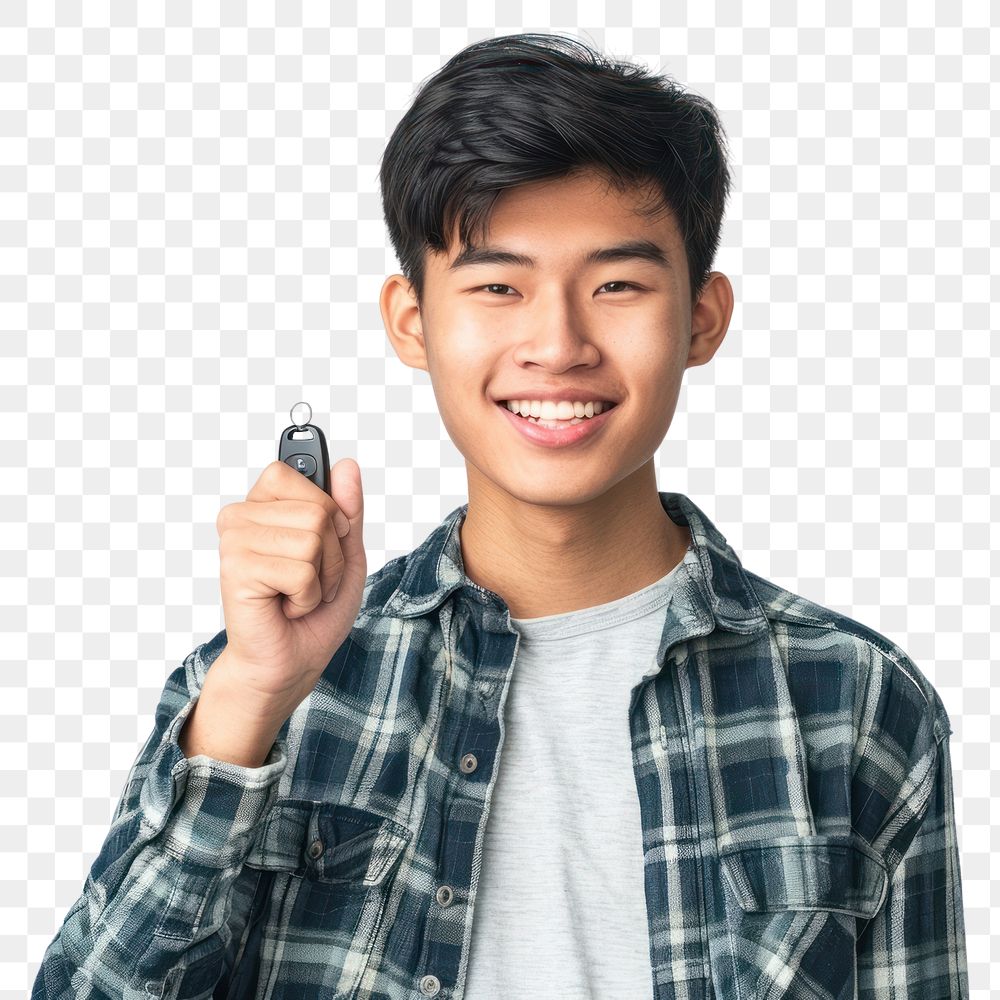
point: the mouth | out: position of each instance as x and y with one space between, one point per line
571 422
557 433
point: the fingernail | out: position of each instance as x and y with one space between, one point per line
329 595
341 523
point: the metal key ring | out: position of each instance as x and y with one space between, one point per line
291 414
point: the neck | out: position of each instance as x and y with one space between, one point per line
545 560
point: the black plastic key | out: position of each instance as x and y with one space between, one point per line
303 447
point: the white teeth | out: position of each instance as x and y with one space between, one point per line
550 410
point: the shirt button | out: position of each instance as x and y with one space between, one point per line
469 763
430 986
444 895
315 849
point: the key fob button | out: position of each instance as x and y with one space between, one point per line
305 464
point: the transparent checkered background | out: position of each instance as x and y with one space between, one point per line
191 241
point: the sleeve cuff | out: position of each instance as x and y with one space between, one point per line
204 808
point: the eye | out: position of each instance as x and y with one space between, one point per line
625 284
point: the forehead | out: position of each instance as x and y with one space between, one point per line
554 217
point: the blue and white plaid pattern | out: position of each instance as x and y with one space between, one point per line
792 768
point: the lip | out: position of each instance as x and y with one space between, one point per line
557 437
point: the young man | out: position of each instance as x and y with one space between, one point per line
570 747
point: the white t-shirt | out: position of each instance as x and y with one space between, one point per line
560 908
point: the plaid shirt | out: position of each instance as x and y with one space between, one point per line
792 769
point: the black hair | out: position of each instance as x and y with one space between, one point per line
517 108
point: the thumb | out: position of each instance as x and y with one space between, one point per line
346 490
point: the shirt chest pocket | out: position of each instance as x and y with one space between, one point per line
327 843
333 867
794 909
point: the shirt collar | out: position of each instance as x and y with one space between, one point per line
748 677
434 569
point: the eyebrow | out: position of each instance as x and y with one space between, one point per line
630 250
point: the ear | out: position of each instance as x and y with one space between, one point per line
710 319
401 316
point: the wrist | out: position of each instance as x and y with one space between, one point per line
227 725
226 680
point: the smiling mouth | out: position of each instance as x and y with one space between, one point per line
554 422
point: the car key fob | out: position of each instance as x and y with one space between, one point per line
303 447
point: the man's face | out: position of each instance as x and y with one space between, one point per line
618 331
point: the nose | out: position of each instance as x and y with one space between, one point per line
556 335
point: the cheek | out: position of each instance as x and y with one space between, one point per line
455 360
464 350
651 373
461 399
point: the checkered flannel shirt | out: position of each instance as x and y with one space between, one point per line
792 768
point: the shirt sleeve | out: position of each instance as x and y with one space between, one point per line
154 916
914 946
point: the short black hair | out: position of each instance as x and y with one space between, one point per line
517 108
